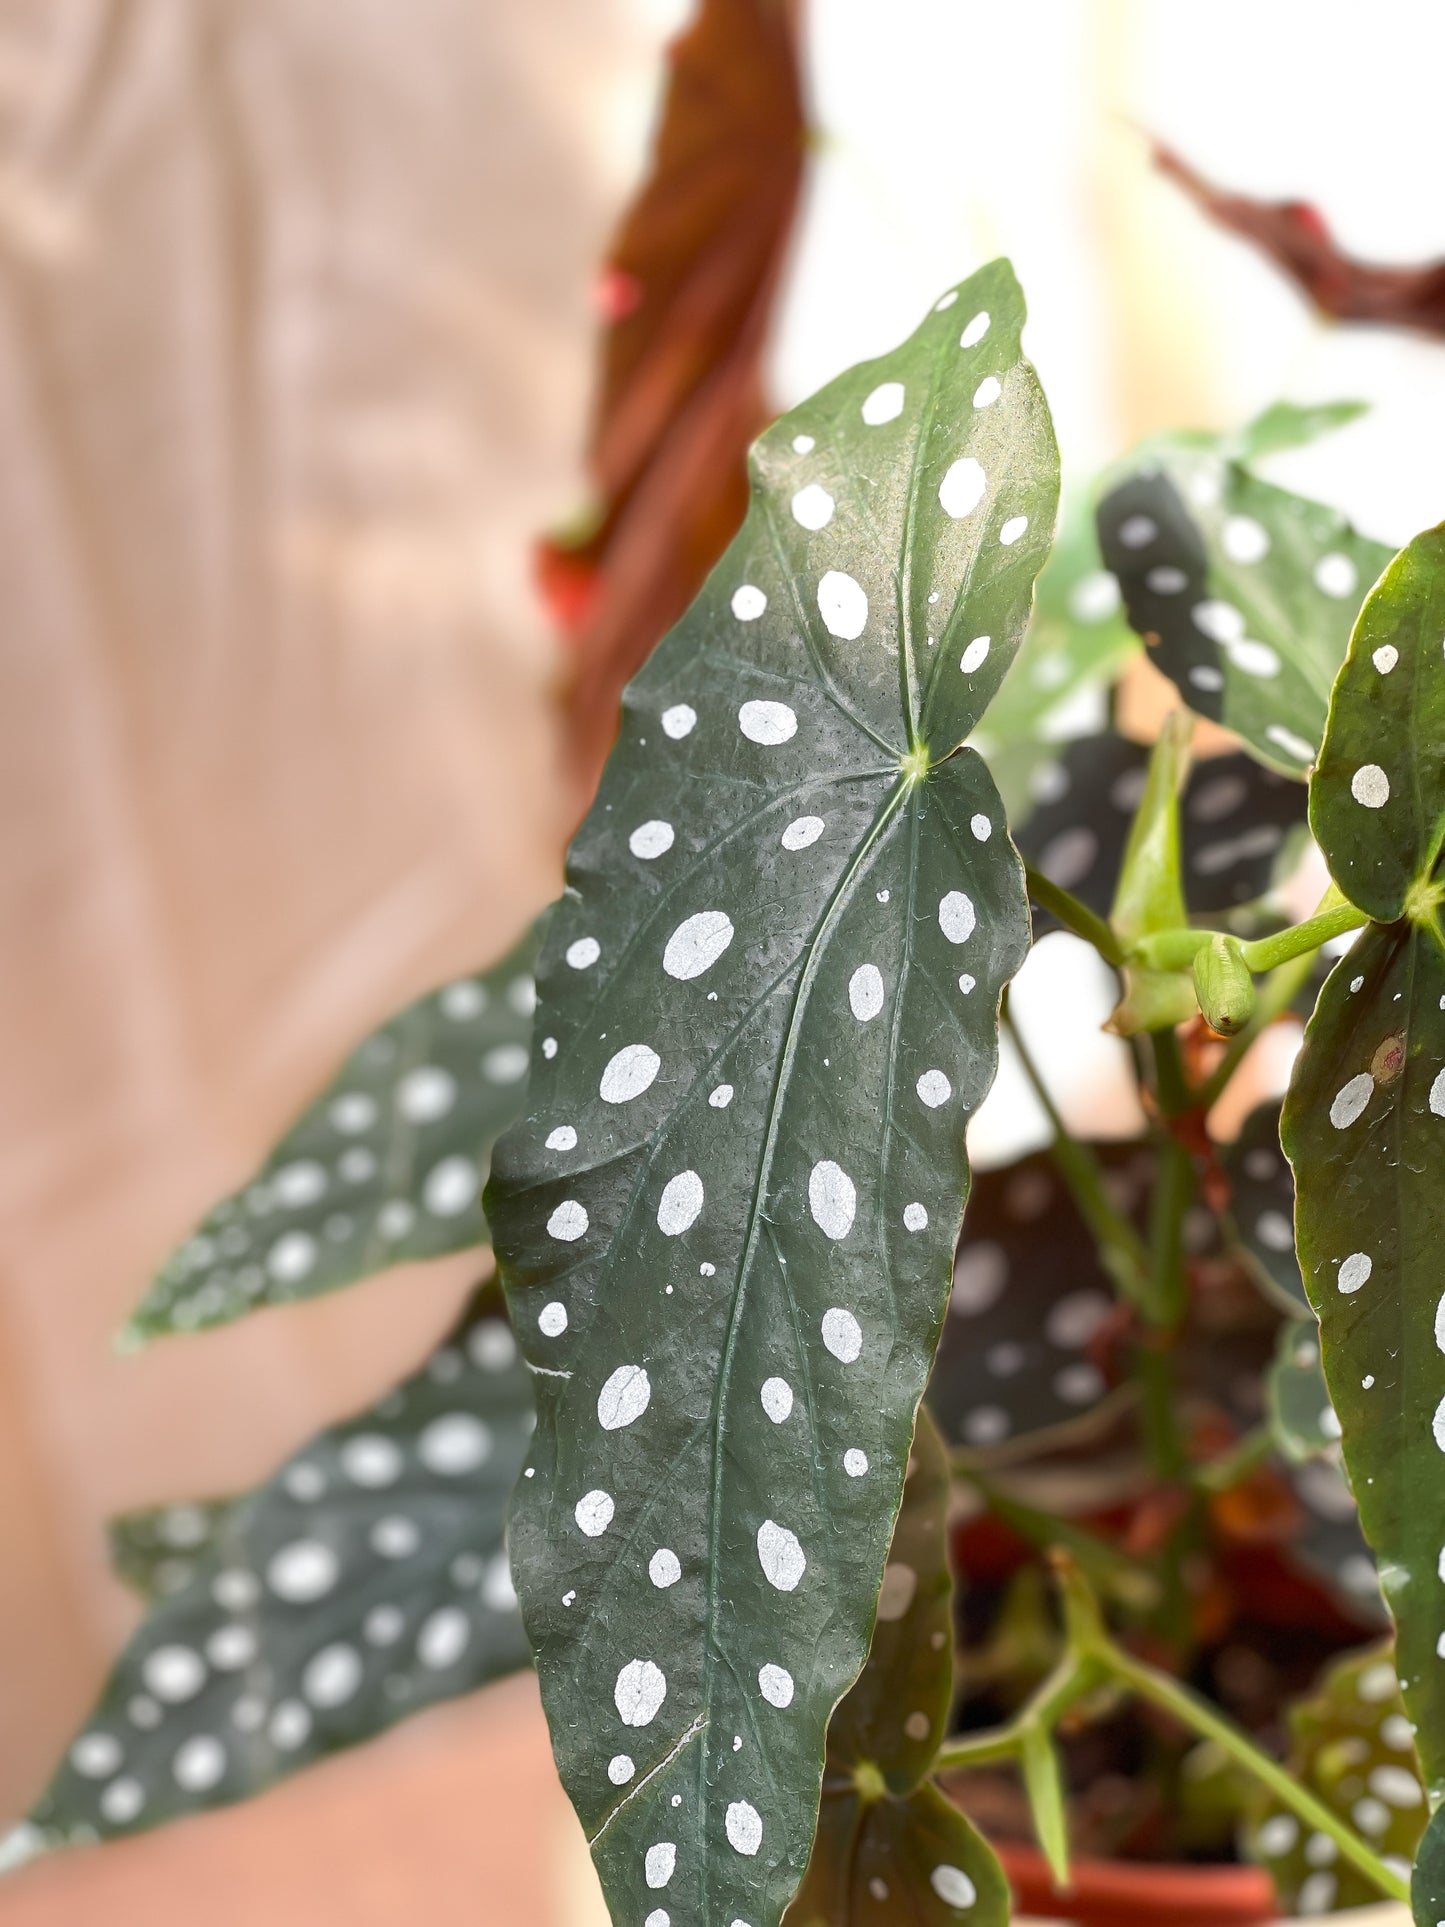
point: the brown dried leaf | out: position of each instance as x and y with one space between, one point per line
1295 236
687 294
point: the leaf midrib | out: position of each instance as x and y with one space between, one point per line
889 808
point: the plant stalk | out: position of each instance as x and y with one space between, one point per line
1075 916
1092 1659
1121 1249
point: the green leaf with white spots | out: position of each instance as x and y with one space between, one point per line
1262 1206
1329 1544
1427 1885
368 1579
1024 1348
1301 1416
890 1847
386 1165
1244 593
1076 644
156 1550
1377 801
1239 825
1352 1747
1364 1122
728 1222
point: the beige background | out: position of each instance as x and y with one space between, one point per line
294 360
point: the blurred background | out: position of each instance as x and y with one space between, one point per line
299 315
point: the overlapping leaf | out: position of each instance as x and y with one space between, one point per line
386 1164
728 1222
889 1846
1022 1347
1427 1885
1364 1122
1244 592
1352 1747
1076 643
1330 1545
366 1580
1236 822
1262 1205
1304 1421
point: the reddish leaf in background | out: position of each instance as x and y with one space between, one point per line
686 295
1296 238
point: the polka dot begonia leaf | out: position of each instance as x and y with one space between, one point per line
1427 1883
1364 1121
1303 1420
727 1224
1244 593
387 1164
1328 1543
1261 1214
1238 823
1076 643
368 1579
907 1854
1352 1746
1030 1309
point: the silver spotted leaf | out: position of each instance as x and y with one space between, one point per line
1364 1121
727 1224
889 1846
1076 644
1427 1883
156 1550
1329 1545
1024 1348
366 1580
1245 593
1351 1745
387 1164
1237 824
1303 1421
1262 1206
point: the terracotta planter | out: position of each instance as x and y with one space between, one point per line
1112 1893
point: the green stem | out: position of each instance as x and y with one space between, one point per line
1075 916
1173 1195
1276 995
1200 1717
1121 1249
1125 1580
1092 1659
1266 953
1176 949
1233 1467
1171 1086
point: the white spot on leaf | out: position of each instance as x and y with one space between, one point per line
865 992
962 488
885 404
842 1334
956 918
832 1199
780 1556
624 1398
767 723
640 1690
697 943
680 1204
842 605
629 1074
